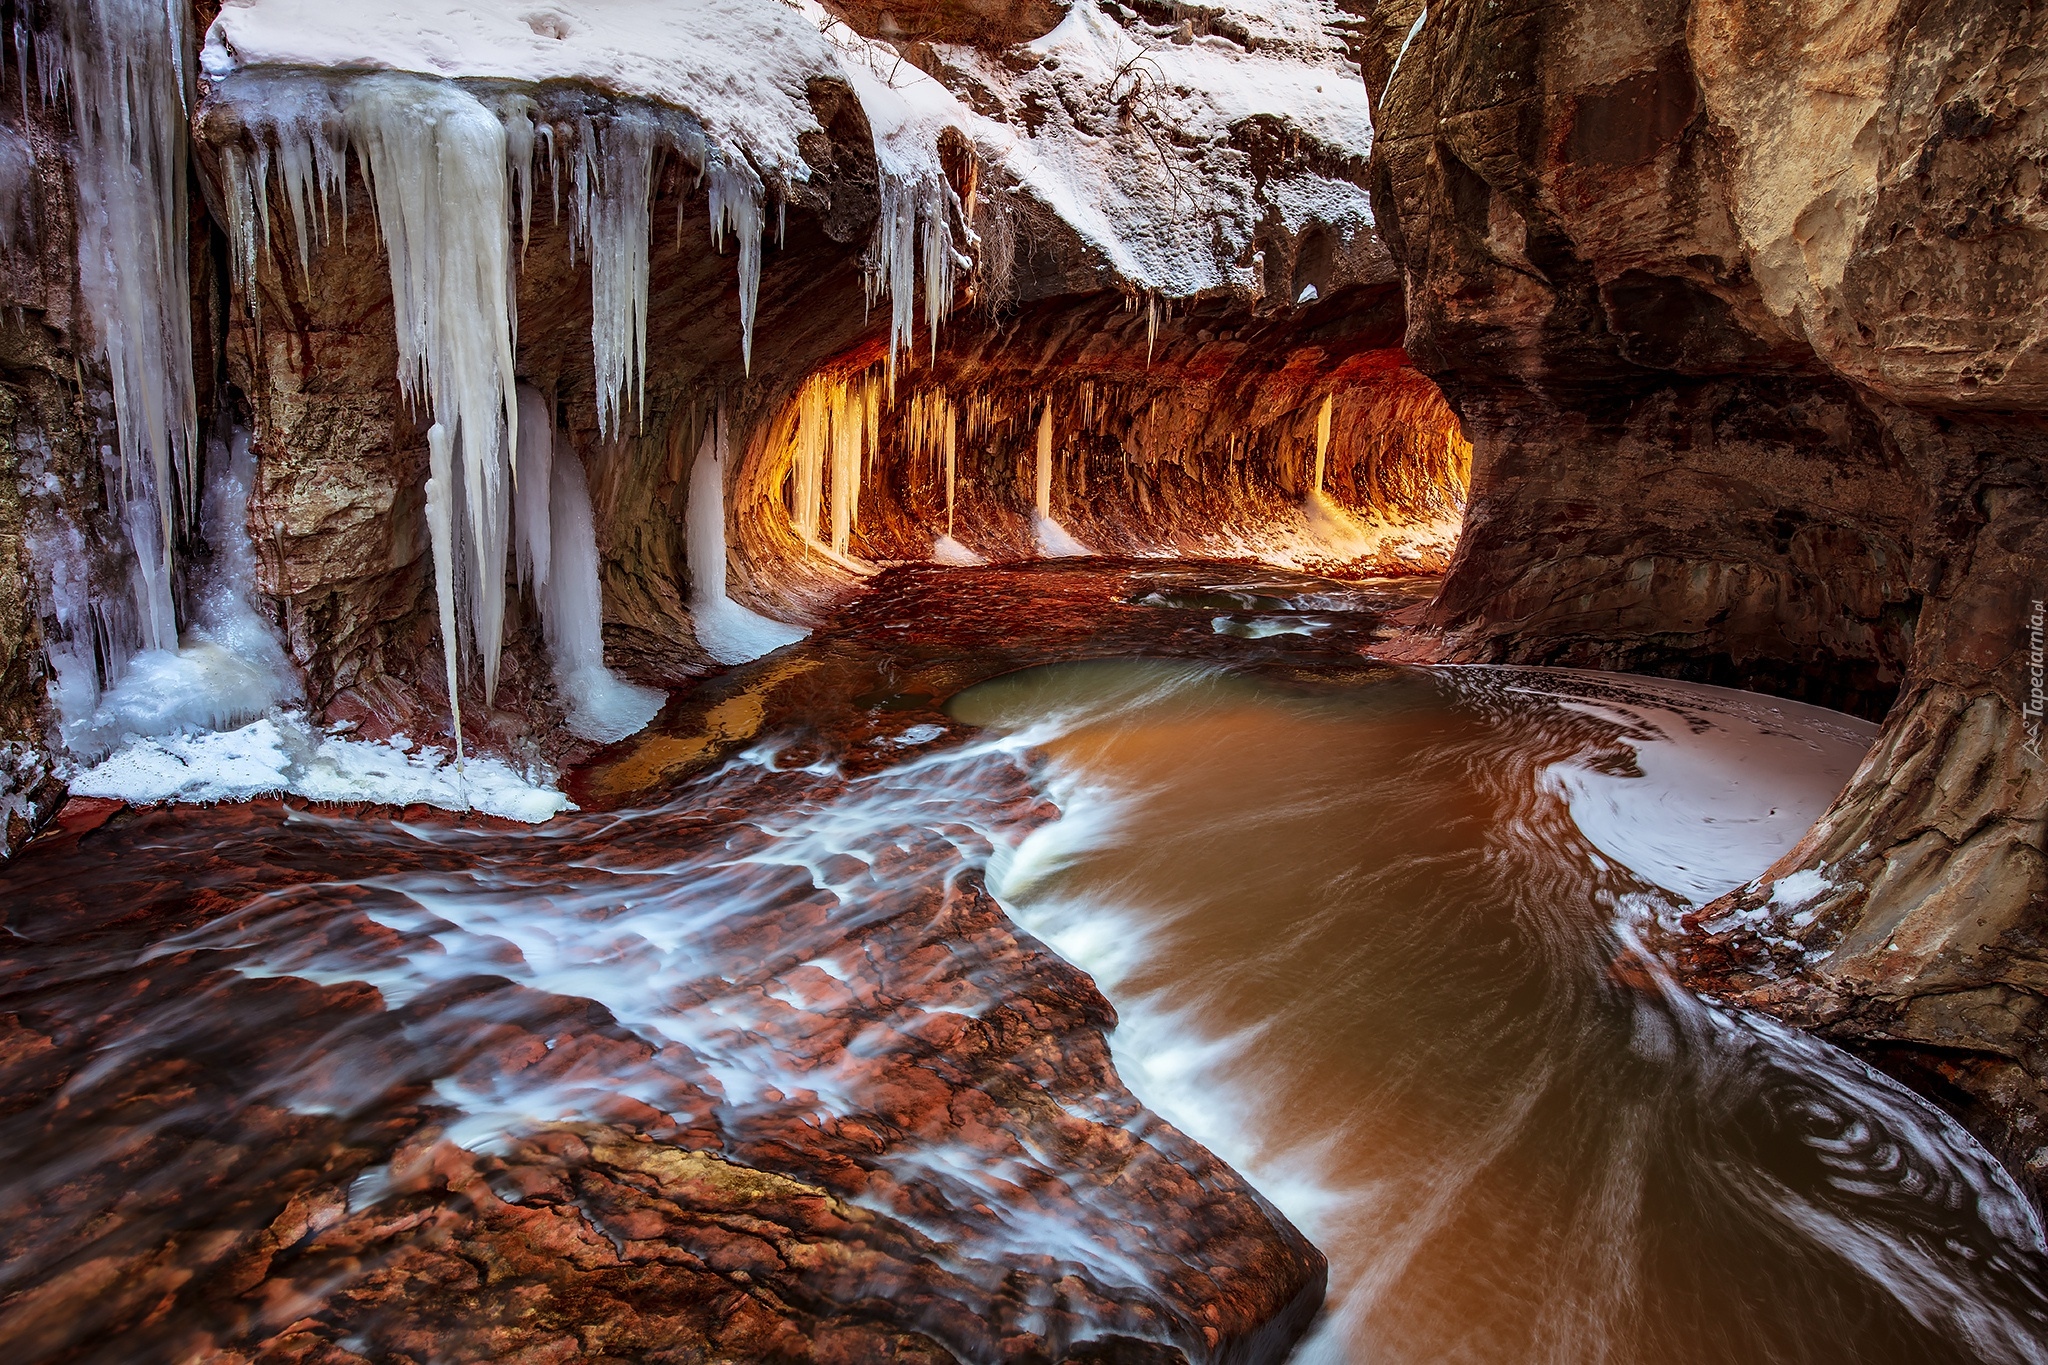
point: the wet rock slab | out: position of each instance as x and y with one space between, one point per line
757 1071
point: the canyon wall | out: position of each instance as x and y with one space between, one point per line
1741 305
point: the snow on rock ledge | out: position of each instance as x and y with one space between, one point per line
1168 151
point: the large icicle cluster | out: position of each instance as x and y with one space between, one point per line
124 64
445 170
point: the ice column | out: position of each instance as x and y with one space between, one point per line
441 534
602 706
729 632
813 438
849 411
1044 482
1054 540
533 547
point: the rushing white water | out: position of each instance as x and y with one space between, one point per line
729 632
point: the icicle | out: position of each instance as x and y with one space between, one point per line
613 203
519 114
813 438
129 86
1322 443
913 224
533 552
848 422
1413 30
728 631
1151 325
296 128
17 188
21 60
435 159
441 534
736 204
1044 486
873 394
952 438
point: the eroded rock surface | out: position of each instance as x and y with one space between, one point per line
1740 305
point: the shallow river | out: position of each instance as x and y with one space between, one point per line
1361 949
1368 931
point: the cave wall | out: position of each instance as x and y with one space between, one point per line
1741 305
1191 431
56 412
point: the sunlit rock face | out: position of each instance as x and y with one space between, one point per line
1740 310
1301 437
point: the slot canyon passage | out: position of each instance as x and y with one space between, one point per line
1067 681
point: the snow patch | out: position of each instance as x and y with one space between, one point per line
285 755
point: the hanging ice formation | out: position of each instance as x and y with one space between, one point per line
617 162
915 228
729 632
931 429
442 167
435 161
835 420
1322 445
736 207
124 63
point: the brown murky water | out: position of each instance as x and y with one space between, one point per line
1361 949
1368 931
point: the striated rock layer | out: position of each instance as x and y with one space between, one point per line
1740 307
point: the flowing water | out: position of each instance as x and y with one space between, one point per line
1362 950
1368 932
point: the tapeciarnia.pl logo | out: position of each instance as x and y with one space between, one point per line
2037 678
